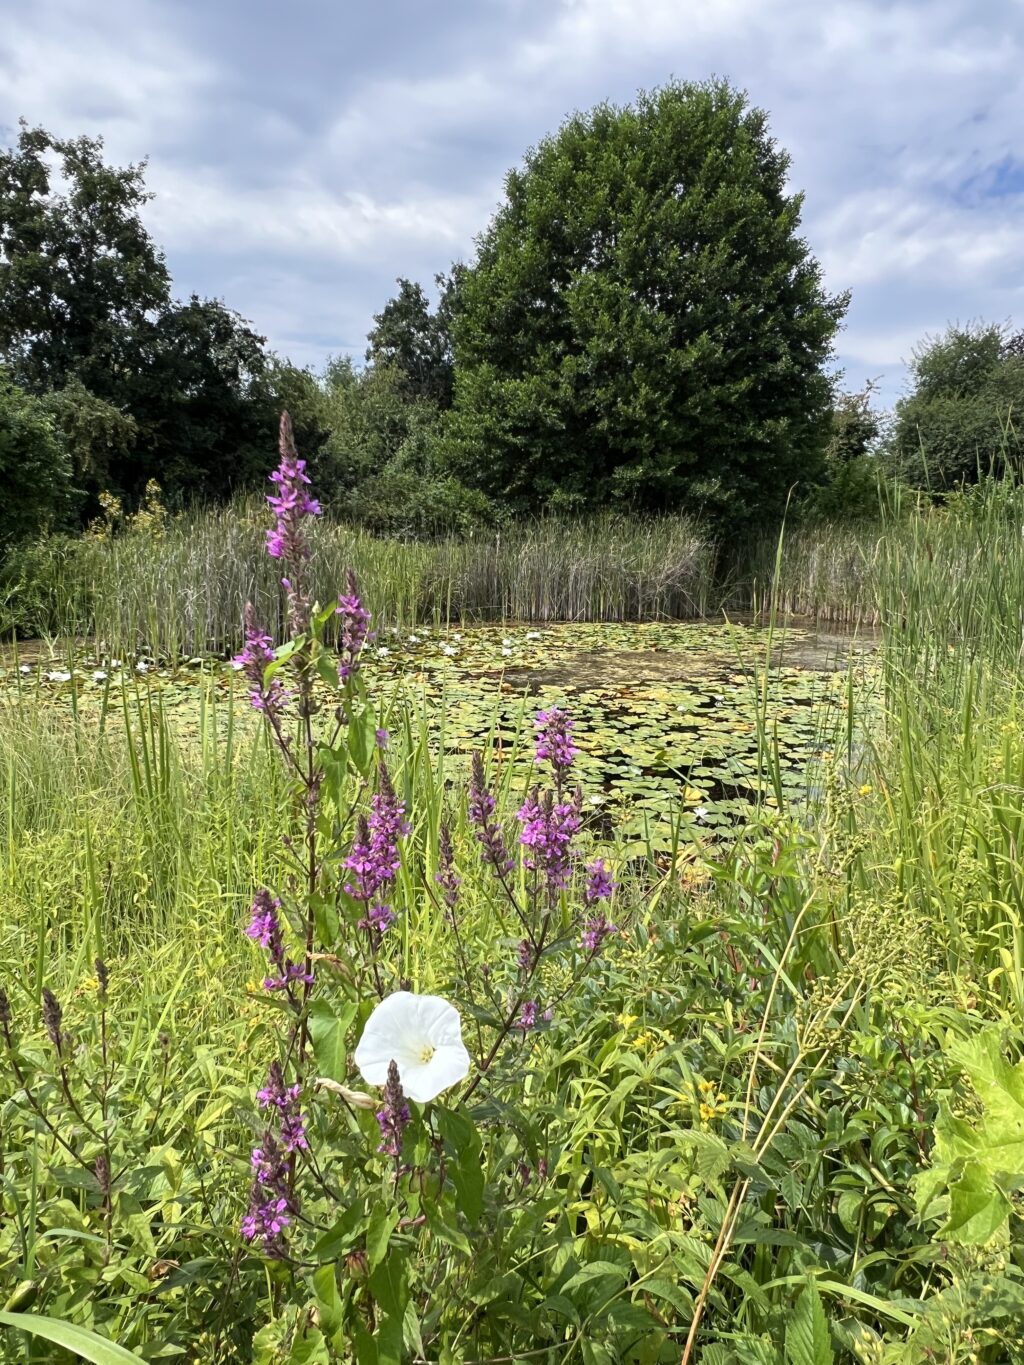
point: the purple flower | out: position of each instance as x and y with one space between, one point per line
394 1116
599 882
354 632
284 1099
291 503
257 653
264 925
526 955
481 813
382 738
375 858
548 830
270 1204
527 1017
554 741
265 929
595 931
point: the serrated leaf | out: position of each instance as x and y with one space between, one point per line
808 1340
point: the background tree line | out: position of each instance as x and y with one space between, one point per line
642 326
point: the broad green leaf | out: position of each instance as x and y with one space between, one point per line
328 1028
808 1340
88 1345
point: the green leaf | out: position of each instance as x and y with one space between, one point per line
382 1224
978 1208
88 1345
329 1030
808 1340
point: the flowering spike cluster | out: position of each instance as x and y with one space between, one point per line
600 885
374 859
257 653
595 931
53 1017
284 1100
445 876
481 813
355 629
271 1200
554 741
265 929
291 503
548 830
394 1115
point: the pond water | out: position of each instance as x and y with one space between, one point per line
667 714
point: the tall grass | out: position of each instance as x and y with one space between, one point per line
181 592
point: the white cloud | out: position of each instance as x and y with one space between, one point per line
889 107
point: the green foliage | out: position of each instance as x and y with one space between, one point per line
77 267
35 472
978 1165
643 325
416 343
961 419
380 461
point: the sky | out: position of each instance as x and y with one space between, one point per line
304 155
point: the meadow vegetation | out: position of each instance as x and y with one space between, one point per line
773 1115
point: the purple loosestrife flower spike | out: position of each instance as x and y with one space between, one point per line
375 858
265 929
257 653
445 876
291 503
599 882
270 1201
548 831
595 931
527 1018
554 741
354 632
481 813
284 1100
394 1116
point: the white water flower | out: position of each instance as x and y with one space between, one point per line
506 642
700 812
447 649
506 654
99 676
413 639
142 668
24 668
422 1034
57 675
533 635
383 652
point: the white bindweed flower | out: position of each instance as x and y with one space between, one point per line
422 1034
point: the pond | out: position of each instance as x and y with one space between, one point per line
670 717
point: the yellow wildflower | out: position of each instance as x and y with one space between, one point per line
865 789
626 1021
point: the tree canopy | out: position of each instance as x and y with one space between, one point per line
643 323
964 413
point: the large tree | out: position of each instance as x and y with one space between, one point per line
77 266
414 342
643 322
963 414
